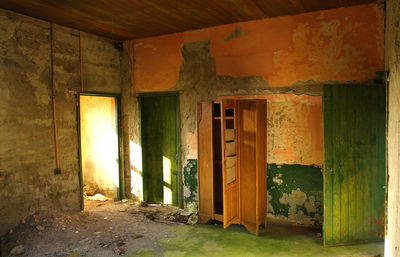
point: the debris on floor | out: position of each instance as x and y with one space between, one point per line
191 211
89 191
105 228
18 250
98 197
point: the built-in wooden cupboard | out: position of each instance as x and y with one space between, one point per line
232 162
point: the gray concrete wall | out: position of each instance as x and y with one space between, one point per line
27 155
392 240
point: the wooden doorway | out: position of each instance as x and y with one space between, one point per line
160 148
355 163
100 145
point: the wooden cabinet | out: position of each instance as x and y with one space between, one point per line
232 162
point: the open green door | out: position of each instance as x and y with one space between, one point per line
355 163
160 148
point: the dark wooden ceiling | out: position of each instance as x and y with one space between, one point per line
131 19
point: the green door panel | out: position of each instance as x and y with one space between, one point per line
355 163
160 148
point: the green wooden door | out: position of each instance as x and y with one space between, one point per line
160 148
355 163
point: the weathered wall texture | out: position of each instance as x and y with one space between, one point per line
392 239
295 194
294 128
284 60
27 155
343 44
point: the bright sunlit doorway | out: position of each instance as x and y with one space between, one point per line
100 143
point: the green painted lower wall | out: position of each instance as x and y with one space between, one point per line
295 193
190 181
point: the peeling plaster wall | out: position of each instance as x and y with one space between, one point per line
284 60
392 238
295 194
27 158
344 44
294 128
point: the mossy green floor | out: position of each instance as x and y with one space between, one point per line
210 240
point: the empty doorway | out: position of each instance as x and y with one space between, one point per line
99 145
160 148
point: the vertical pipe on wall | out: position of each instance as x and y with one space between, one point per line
53 89
80 61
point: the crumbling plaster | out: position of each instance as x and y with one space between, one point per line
344 44
284 60
27 155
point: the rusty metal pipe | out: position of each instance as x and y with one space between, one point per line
53 90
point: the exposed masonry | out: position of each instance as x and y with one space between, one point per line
27 180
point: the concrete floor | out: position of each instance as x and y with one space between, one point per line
111 228
278 240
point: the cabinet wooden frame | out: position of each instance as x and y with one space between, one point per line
244 197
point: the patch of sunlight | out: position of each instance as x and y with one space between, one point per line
136 170
136 156
167 180
388 246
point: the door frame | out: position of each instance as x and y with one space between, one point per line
140 96
121 175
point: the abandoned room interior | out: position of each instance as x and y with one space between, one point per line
200 128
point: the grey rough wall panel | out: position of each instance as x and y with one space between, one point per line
27 156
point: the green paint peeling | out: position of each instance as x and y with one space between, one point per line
190 180
295 192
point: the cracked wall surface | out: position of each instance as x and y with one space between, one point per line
27 155
285 61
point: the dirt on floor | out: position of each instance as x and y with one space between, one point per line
104 228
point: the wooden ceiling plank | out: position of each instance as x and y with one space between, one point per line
130 19
248 10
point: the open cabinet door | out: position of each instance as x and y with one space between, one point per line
355 163
252 163
205 160
230 173
261 163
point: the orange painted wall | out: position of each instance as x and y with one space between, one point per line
294 128
344 44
